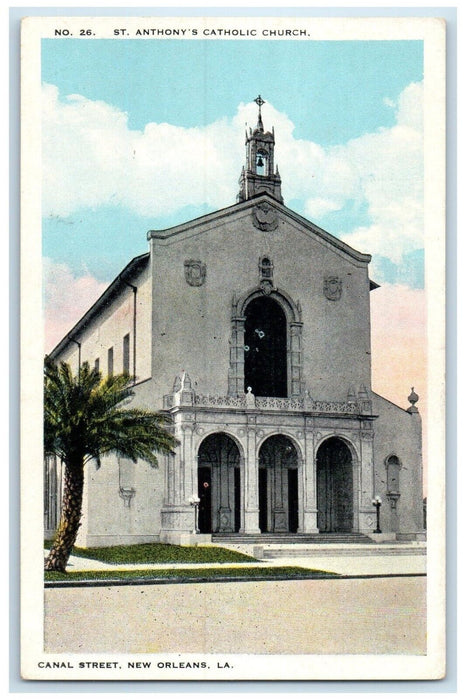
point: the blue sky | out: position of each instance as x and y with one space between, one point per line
333 91
131 127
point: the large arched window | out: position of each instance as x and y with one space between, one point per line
265 346
265 357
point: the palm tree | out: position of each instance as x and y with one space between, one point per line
86 417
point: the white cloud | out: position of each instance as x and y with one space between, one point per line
66 299
319 206
92 158
389 164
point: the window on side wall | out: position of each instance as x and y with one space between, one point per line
110 361
126 354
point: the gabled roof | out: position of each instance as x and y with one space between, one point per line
137 263
112 291
166 234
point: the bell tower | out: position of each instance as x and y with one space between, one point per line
258 175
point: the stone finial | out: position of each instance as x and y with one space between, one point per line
413 398
351 398
362 393
182 392
186 381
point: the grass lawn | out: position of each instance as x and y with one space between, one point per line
160 554
269 573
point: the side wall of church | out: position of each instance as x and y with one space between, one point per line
122 503
397 434
111 325
111 515
193 324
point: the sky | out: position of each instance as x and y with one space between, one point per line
147 134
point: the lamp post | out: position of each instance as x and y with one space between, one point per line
377 502
194 502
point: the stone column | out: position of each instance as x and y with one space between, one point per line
242 472
190 463
309 484
224 510
279 519
251 485
363 501
169 498
177 514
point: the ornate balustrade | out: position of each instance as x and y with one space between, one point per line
183 395
270 403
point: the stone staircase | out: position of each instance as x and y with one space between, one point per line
298 545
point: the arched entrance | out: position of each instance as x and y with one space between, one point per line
265 342
219 484
278 485
334 486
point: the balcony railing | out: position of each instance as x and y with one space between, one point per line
267 403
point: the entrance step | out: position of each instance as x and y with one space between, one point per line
292 538
347 550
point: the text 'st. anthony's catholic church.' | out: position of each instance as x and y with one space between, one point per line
251 327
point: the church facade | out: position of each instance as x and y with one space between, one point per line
250 326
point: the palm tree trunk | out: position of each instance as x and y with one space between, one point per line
70 518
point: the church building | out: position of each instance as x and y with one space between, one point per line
250 326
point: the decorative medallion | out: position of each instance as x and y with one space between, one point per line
265 217
195 272
332 288
266 286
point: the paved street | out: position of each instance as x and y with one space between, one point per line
354 616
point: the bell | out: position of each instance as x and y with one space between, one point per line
260 162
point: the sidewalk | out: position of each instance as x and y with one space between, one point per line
377 564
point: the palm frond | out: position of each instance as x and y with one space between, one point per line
86 416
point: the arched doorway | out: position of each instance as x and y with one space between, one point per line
278 485
219 484
265 348
334 486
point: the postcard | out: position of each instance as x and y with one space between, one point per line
232 348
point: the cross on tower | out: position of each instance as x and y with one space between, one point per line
259 102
